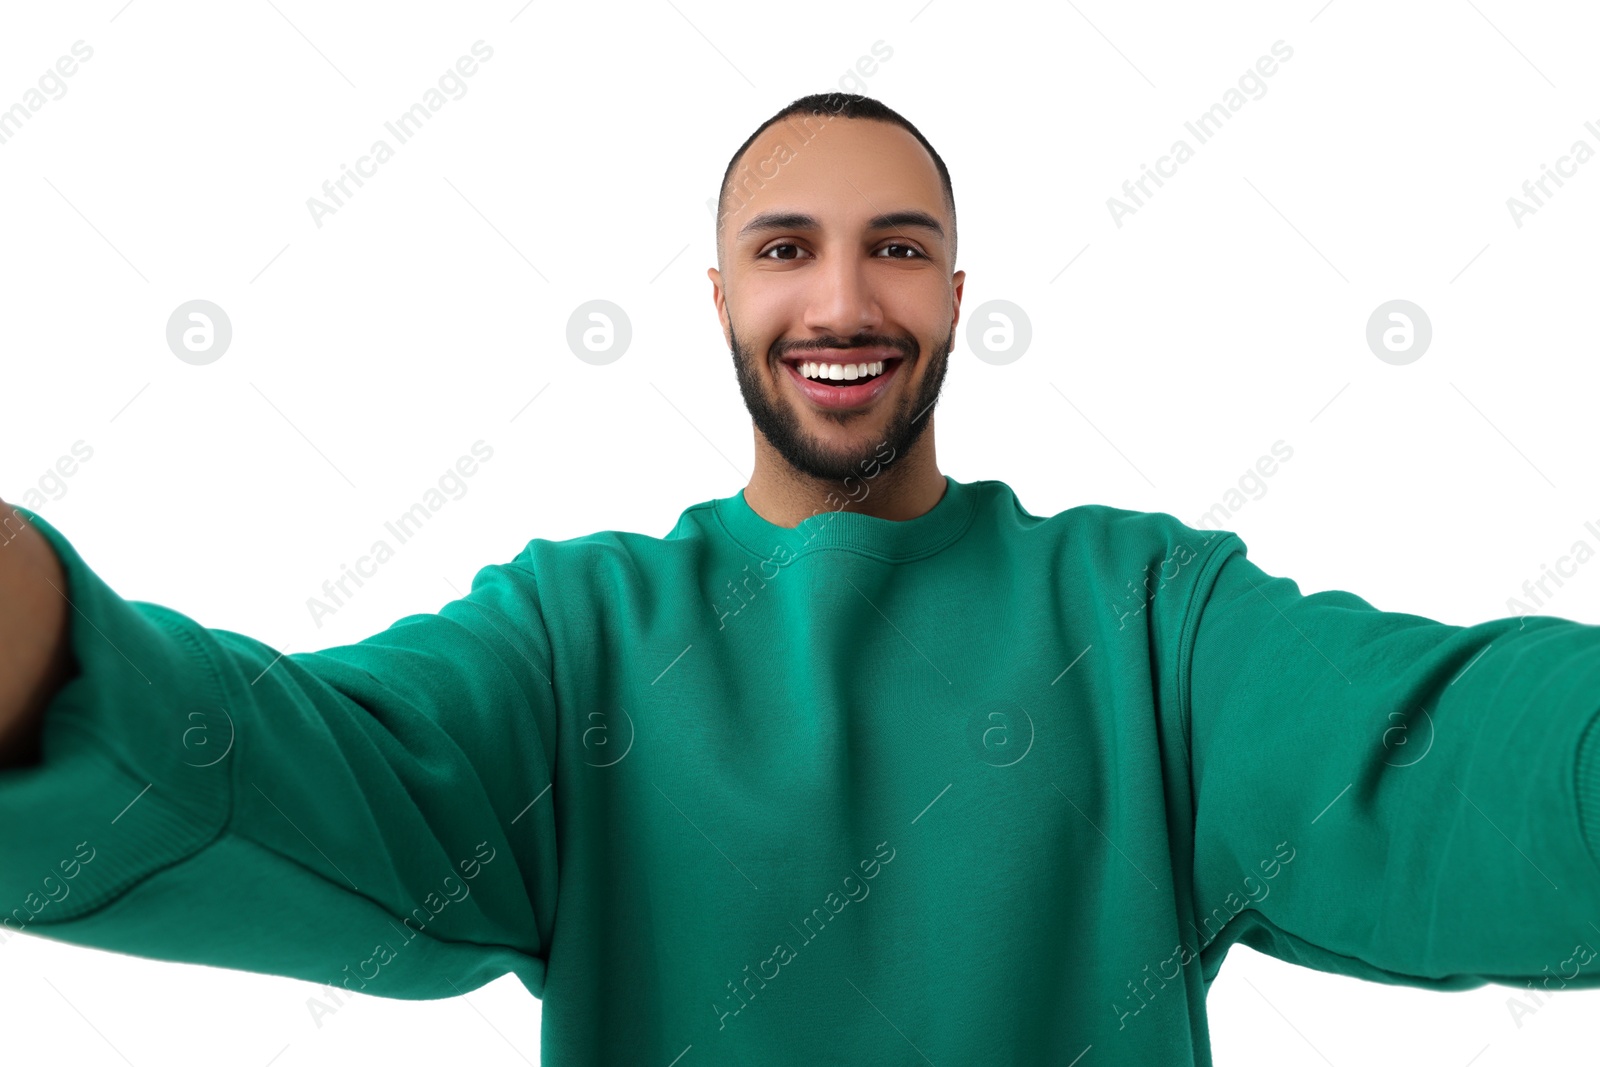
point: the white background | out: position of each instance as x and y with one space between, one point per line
368 354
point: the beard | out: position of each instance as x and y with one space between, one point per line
780 423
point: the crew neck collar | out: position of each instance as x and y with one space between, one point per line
896 540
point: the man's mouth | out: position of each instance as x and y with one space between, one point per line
830 382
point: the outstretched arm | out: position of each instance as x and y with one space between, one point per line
1392 797
376 817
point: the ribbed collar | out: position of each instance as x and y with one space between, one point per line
888 539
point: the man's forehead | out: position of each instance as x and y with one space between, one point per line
840 171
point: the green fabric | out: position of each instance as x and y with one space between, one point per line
980 787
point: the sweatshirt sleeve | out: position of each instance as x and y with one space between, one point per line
1390 797
375 817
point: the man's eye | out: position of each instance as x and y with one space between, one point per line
914 252
768 253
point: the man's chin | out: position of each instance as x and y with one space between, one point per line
824 449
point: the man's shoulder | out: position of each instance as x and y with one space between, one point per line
1117 531
610 562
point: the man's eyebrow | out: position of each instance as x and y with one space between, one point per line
798 220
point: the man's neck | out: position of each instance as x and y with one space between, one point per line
904 488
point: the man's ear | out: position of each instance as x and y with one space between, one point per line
719 298
959 280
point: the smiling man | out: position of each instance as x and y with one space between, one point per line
859 764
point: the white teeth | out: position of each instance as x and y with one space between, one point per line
841 371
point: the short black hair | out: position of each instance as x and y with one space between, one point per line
845 106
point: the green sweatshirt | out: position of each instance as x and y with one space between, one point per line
980 787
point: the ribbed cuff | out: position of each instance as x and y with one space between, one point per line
124 778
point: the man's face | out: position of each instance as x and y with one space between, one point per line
833 259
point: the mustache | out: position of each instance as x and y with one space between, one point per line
906 346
